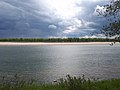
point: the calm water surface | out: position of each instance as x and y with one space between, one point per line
47 63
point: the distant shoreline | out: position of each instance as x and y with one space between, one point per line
53 43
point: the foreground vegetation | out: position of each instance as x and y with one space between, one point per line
57 40
70 83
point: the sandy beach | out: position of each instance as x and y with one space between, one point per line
44 43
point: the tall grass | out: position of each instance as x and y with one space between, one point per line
69 83
80 83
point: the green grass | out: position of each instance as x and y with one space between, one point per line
70 83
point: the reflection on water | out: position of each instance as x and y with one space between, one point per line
47 63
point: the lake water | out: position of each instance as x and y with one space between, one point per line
48 63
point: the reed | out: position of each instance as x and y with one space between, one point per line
69 83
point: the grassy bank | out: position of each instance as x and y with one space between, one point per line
70 83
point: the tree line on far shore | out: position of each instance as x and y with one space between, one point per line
58 40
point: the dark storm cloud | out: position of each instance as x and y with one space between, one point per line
30 18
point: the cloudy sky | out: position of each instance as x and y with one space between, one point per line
50 18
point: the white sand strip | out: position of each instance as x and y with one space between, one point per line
43 43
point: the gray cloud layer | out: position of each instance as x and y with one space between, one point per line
34 18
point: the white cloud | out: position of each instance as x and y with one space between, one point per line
52 27
57 37
76 25
70 29
64 23
62 9
94 36
99 10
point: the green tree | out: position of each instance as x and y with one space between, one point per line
111 12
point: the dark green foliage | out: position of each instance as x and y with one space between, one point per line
56 40
80 83
112 14
70 83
